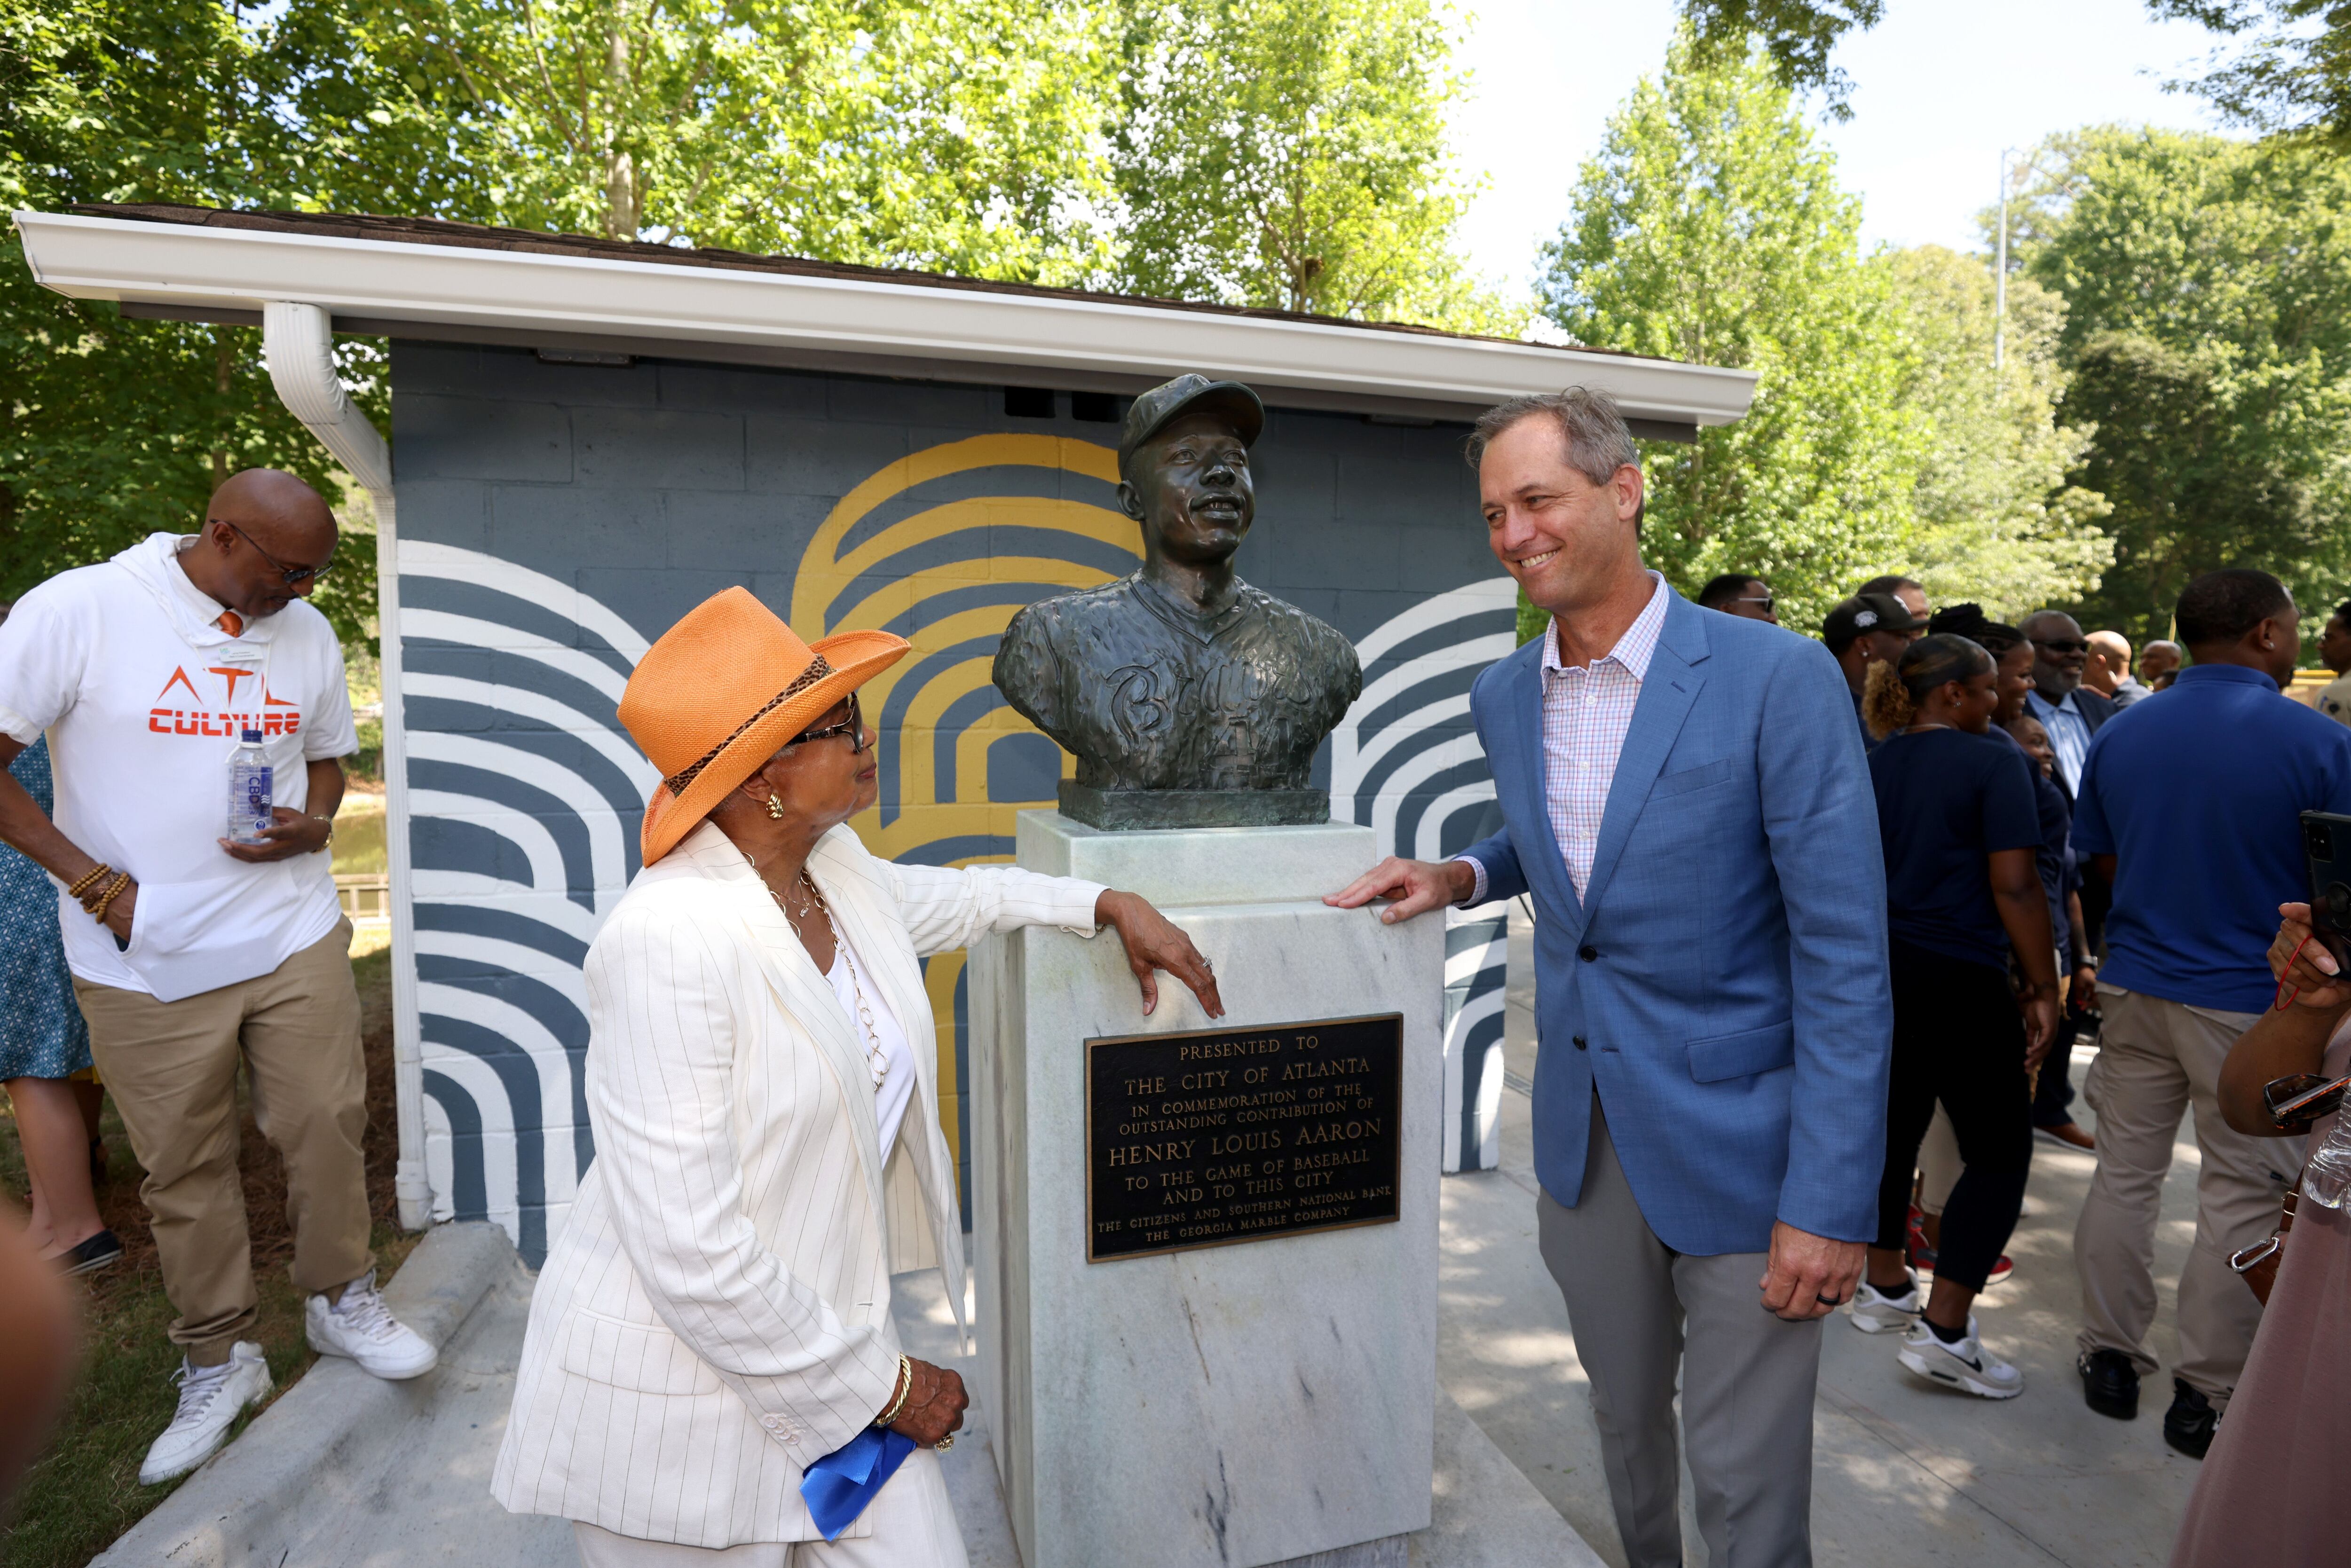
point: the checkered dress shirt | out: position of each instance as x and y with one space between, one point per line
1586 712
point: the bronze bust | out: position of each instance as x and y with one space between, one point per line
1189 698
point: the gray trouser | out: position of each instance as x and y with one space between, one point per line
1637 1308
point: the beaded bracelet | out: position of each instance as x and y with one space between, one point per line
95 875
905 1392
114 889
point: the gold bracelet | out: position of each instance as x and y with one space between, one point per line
95 875
905 1391
122 880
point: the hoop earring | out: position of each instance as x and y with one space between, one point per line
775 808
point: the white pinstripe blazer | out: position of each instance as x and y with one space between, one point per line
715 1314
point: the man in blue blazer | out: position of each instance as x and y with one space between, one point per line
1685 795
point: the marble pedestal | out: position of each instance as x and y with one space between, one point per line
1225 1407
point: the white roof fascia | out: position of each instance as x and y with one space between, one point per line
135 261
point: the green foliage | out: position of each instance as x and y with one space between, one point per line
1797 35
2293 78
1291 154
1996 521
1710 228
2208 290
112 429
961 138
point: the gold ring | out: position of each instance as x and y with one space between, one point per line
944 1443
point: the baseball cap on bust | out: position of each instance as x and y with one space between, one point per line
1170 400
1867 612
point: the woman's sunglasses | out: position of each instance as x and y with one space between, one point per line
853 727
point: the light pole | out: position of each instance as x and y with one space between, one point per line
1999 269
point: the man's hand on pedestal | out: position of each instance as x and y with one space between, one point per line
933 1406
1808 1276
1417 886
1155 942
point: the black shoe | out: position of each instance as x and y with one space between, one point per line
2110 1383
2189 1424
94 1253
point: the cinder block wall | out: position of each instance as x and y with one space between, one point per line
555 519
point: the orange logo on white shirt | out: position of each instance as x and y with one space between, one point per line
201 720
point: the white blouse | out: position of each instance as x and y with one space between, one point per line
897 1089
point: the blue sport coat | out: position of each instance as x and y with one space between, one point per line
1723 980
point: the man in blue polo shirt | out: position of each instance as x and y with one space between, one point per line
2191 807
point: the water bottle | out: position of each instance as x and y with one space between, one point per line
2329 1179
251 801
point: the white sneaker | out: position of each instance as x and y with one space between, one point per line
210 1398
1877 1312
361 1327
1966 1365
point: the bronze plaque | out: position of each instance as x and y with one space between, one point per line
1235 1135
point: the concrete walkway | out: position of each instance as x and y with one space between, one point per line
1904 1471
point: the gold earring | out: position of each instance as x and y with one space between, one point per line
775 808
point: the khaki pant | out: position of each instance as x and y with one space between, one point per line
2155 1060
172 1069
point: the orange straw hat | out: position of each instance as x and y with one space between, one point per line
722 691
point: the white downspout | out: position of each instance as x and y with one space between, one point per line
298 343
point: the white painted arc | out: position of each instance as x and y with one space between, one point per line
1429 837
1402 730
1482 597
1410 776
466 889
546 1055
525 831
606 849
560 975
1473 653
1457 1028
491 637
552 595
482 1085
611 745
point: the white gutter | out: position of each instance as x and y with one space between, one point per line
657 303
299 342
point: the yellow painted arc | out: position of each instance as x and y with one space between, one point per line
821 572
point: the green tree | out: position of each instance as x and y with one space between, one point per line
1798 36
1290 155
109 428
962 138
1996 520
2293 77
2207 326
1710 228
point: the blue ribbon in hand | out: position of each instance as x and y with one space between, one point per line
838 1485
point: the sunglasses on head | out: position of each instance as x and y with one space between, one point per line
295 576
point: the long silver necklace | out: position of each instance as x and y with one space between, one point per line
877 1061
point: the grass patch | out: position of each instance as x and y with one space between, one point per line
85 1491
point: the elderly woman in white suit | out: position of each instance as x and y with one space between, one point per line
716 1315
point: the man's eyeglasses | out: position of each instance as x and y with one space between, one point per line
2062 644
295 576
853 727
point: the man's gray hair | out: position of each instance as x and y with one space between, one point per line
1590 425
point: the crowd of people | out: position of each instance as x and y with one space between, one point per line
2053 876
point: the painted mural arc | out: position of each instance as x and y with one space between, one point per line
526 791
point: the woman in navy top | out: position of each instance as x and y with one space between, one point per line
1960 826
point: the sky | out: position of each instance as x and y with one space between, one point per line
1939 88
